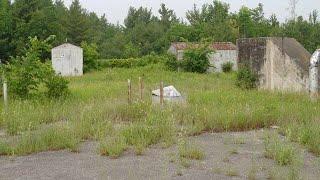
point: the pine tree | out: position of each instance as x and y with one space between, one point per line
6 28
77 24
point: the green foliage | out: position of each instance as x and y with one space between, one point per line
57 87
143 32
5 149
51 139
306 134
196 60
131 51
227 67
113 146
246 79
90 56
104 111
188 151
133 62
172 63
6 26
27 73
282 152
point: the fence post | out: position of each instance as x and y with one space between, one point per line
141 85
5 93
129 91
161 93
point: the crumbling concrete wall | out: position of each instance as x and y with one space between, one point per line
220 57
280 63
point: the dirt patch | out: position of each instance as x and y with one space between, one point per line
227 156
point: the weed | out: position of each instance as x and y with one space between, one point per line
188 151
283 153
234 151
51 139
113 146
5 149
252 174
217 170
227 67
186 163
97 109
232 172
226 159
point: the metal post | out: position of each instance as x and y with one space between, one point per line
129 91
161 93
141 88
5 93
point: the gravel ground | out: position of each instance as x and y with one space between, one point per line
228 156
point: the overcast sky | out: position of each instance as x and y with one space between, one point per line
116 10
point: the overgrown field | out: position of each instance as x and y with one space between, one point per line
98 110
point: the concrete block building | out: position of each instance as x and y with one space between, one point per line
67 60
280 63
224 52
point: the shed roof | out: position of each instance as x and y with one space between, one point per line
215 45
65 45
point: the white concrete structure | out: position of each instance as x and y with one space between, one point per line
67 60
168 92
224 52
314 74
281 63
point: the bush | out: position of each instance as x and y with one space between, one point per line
246 79
27 73
227 67
171 62
57 87
90 56
196 60
133 62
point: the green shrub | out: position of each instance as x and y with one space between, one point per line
57 87
227 67
246 79
196 60
171 63
26 73
133 62
90 56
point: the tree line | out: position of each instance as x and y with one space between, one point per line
142 32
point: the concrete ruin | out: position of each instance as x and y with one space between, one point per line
314 74
280 63
224 52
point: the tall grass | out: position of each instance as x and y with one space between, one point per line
98 109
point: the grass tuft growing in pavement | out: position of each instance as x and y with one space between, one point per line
280 151
192 152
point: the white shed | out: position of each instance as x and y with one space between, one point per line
67 60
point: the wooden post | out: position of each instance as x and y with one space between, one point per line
141 85
129 91
161 93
